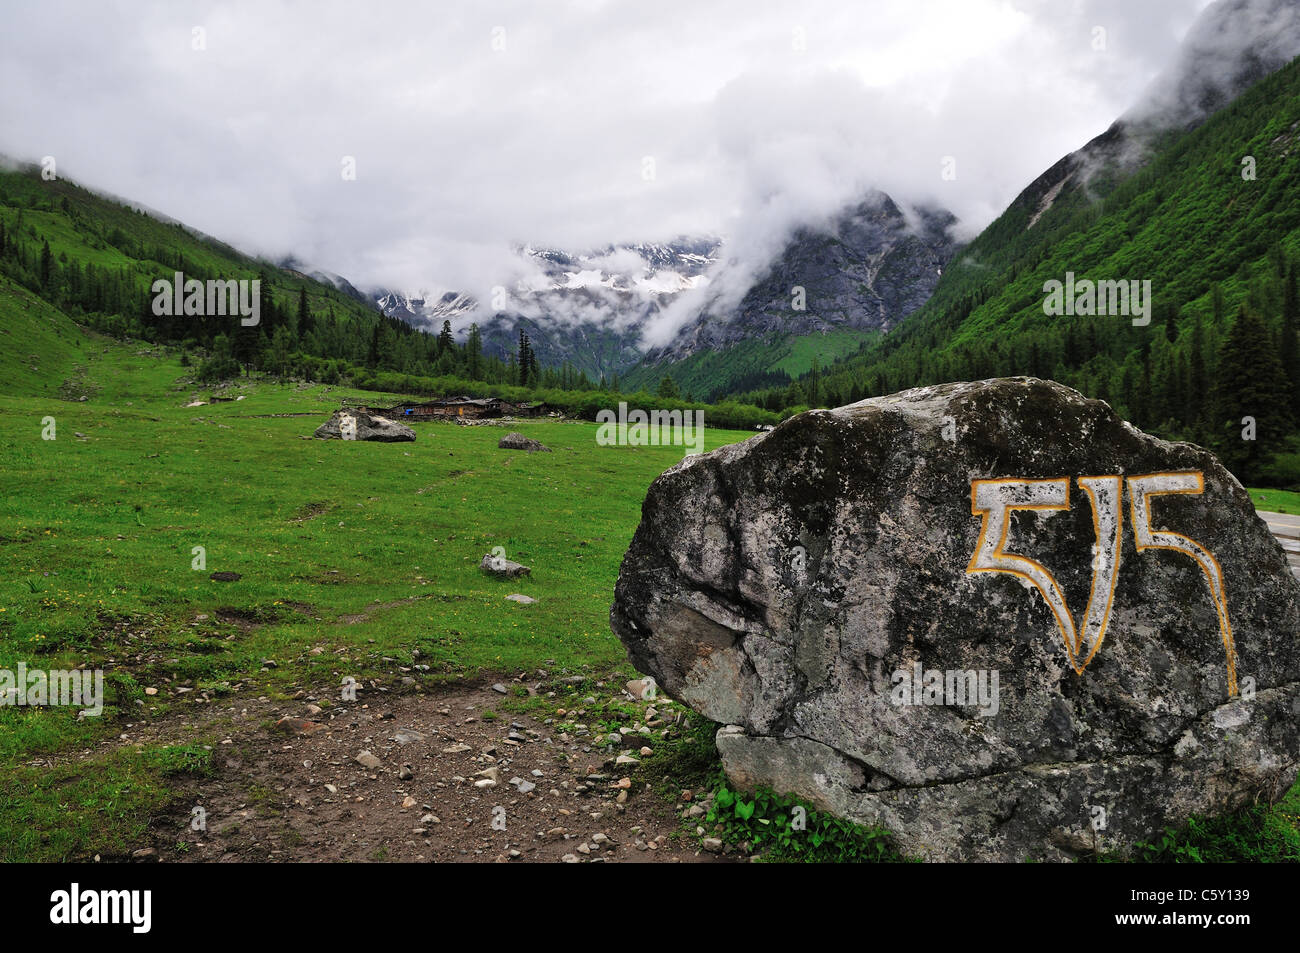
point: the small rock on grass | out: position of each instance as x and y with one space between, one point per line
503 568
642 688
296 726
517 441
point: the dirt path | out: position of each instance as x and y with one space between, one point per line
438 784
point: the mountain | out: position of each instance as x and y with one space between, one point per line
74 262
296 267
1202 206
867 269
1231 46
831 288
425 309
586 309
861 273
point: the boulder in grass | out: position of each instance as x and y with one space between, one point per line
503 568
991 617
350 424
517 441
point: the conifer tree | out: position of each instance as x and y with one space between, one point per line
1197 382
1252 384
1290 348
305 322
474 354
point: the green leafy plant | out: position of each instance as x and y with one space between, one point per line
784 829
1256 834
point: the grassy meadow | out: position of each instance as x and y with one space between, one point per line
368 552
355 559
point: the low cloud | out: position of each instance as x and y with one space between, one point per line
480 127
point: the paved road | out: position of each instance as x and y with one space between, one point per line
1285 528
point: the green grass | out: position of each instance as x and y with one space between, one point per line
370 551
718 372
96 805
39 347
825 348
1276 501
785 829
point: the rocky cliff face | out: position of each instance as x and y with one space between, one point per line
867 269
991 617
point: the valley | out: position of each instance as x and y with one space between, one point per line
368 501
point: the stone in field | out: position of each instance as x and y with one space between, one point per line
517 441
358 425
503 568
991 617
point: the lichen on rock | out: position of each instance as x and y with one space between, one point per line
992 617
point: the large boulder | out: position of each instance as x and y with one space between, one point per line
349 424
517 441
977 666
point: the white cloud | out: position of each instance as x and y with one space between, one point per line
463 151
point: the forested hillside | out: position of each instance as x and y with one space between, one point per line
1212 220
71 259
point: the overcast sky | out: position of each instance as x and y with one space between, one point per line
475 125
